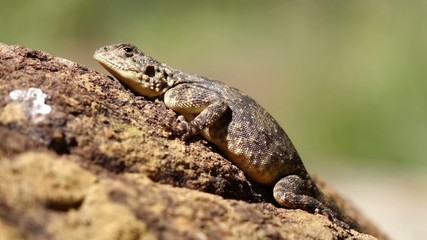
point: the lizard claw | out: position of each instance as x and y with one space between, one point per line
332 217
181 128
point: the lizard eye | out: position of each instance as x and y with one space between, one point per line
128 51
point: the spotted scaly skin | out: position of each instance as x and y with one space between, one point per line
241 129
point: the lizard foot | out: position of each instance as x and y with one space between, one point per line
331 216
181 128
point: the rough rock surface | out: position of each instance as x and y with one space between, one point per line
95 162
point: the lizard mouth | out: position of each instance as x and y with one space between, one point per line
117 71
105 63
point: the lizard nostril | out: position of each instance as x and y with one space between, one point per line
150 71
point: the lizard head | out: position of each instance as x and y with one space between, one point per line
138 71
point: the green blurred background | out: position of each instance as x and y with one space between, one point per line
346 79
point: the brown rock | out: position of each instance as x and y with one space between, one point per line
90 160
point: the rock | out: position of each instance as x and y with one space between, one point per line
81 157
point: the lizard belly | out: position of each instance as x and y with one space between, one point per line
262 168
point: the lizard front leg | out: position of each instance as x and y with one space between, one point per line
200 106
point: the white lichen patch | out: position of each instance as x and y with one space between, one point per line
32 102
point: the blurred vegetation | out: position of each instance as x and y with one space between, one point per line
345 78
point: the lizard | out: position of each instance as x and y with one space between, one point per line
239 126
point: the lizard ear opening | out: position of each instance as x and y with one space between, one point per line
150 71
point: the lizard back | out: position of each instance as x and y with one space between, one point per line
251 138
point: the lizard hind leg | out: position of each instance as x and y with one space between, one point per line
293 191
